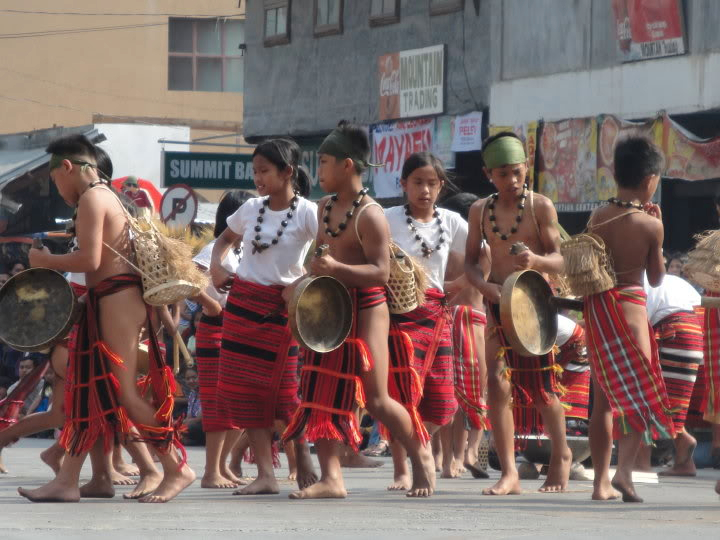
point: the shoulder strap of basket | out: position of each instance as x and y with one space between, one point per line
534 217
591 225
357 218
482 219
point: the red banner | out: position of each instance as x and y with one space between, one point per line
648 29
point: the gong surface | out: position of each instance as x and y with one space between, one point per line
528 317
37 309
321 313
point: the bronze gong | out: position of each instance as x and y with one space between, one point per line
320 313
528 313
37 309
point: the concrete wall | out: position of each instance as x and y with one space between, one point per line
306 86
68 79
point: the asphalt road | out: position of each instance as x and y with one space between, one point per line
676 508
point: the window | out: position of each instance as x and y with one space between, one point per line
205 55
384 12
277 22
328 15
440 7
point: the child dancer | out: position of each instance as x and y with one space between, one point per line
258 358
429 234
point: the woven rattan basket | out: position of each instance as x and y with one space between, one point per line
587 266
162 283
703 265
407 283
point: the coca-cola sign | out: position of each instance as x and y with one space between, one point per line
412 83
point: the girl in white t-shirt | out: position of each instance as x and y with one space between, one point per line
257 380
220 435
429 234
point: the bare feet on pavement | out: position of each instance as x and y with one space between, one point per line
173 482
145 486
53 491
323 489
266 485
509 484
423 477
558 473
216 481
603 491
401 482
98 488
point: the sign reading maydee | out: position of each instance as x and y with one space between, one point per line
412 83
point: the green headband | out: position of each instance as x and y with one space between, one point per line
504 151
338 145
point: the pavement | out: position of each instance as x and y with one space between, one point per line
675 508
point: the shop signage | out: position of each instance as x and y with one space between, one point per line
412 83
204 170
648 29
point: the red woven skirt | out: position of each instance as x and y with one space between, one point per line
469 386
330 384
575 376
208 339
680 343
258 381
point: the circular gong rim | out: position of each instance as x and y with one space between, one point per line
70 320
344 319
507 320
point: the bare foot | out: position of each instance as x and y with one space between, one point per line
603 491
127 469
216 481
292 476
122 480
53 491
451 471
306 476
323 489
260 486
235 469
423 477
401 482
684 465
98 488
145 486
3 469
627 491
230 475
509 484
173 482
459 467
558 473
52 458
353 460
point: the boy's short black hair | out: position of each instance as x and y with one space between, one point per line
636 158
460 203
103 162
358 137
73 146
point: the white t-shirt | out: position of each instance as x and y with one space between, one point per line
76 277
230 263
282 263
673 295
455 233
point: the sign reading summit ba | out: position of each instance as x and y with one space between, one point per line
204 170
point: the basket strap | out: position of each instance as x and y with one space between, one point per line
532 213
357 218
591 226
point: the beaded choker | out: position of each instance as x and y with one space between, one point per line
426 250
625 204
348 215
259 247
518 218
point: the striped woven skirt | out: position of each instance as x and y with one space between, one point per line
532 378
631 381
257 380
208 339
469 386
429 329
575 376
680 342
330 383
711 330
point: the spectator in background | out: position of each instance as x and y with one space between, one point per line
675 264
16 268
4 385
195 435
140 197
27 364
4 276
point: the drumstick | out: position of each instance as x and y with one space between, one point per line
189 360
176 353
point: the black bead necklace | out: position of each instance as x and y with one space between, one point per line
625 204
348 215
258 246
518 218
426 250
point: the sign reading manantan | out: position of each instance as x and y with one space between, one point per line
412 83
